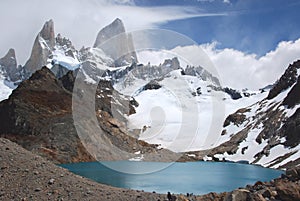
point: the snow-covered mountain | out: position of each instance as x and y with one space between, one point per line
10 73
180 107
266 132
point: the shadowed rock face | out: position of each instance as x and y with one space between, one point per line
116 43
8 65
42 47
39 116
286 80
270 122
293 96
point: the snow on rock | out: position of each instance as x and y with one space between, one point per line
137 158
177 117
259 119
6 88
101 60
60 57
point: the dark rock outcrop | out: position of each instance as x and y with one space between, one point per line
234 94
291 129
286 80
68 80
293 96
152 85
38 116
237 118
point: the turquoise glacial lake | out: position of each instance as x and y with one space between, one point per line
189 177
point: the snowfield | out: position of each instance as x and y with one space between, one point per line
178 120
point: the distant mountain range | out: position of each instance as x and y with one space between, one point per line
144 112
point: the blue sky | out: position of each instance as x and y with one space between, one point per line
252 26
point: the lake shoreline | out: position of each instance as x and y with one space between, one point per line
197 177
26 176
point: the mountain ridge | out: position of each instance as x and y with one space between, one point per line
269 123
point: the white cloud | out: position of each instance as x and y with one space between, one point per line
79 20
237 69
210 1
234 68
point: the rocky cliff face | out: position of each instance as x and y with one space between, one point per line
116 43
39 116
201 73
267 132
42 47
286 80
9 66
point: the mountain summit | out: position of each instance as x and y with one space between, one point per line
8 65
111 30
116 43
42 47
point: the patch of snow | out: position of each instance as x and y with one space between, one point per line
88 79
276 151
207 158
291 111
137 152
291 158
250 146
100 59
43 43
68 62
178 120
6 88
137 158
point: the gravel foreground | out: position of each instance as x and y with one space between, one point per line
25 176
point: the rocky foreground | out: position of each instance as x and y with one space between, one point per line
25 176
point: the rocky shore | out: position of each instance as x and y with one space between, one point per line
25 176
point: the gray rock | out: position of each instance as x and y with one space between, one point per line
9 67
116 43
42 47
51 181
37 189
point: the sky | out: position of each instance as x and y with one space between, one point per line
250 42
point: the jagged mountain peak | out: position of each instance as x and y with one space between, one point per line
43 72
118 22
40 80
47 32
9 67
116 43
9 59
109 31
42 47
10 54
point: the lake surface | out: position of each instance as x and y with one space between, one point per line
189 177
